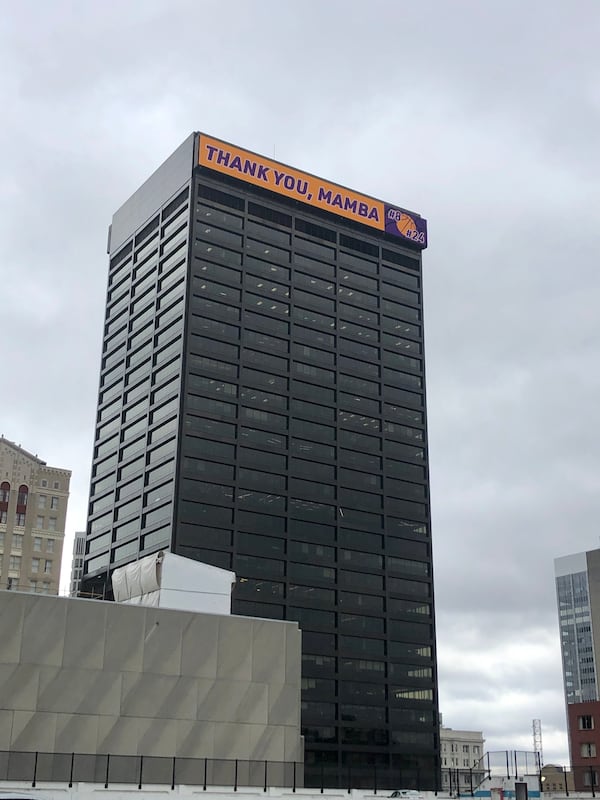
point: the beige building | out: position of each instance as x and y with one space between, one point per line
77 562
460 755
33 510
557 779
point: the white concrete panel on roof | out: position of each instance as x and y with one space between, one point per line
568 565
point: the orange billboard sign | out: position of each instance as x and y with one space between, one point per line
305 188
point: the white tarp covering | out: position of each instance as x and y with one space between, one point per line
138 578
164 580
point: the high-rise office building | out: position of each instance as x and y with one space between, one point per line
33 510
77 562
578 597
262 408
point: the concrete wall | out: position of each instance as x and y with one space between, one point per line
87 676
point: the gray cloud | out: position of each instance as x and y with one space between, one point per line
483 117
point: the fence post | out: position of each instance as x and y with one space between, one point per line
107 768
205 773
35 760
375 778
71 772
265 789
235 777
141 770
592 776
566 781
322 770
173 773
349 777
294 778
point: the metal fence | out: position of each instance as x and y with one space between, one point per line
455 781
580 779
140 771
110 769
509 764
518 764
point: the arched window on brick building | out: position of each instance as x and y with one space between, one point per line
21 505
4 500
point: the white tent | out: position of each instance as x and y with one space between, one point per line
164 580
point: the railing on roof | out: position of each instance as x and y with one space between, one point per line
108 769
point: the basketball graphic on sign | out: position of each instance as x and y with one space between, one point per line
405 224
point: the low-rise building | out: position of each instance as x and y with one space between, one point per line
557 779
460 756
33 510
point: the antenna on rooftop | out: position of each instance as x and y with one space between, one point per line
537 739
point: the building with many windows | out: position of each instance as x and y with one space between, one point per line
77 562
262 409
461 755
578 597
33 509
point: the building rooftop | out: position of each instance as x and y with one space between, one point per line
22 451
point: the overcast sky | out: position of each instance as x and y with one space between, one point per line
484 117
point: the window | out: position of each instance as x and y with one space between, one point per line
586 722
3 516
56 485
310 552
313 373
19 520
22 496
42 501
37 543
44 483
40 522
48 566
310 572
15 563
588 749
51 523
476 749
49 545
2 540
4 492
17 541
590 777
35 564
33 586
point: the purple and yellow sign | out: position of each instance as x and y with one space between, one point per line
306 188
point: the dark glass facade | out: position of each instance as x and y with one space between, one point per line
262 409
